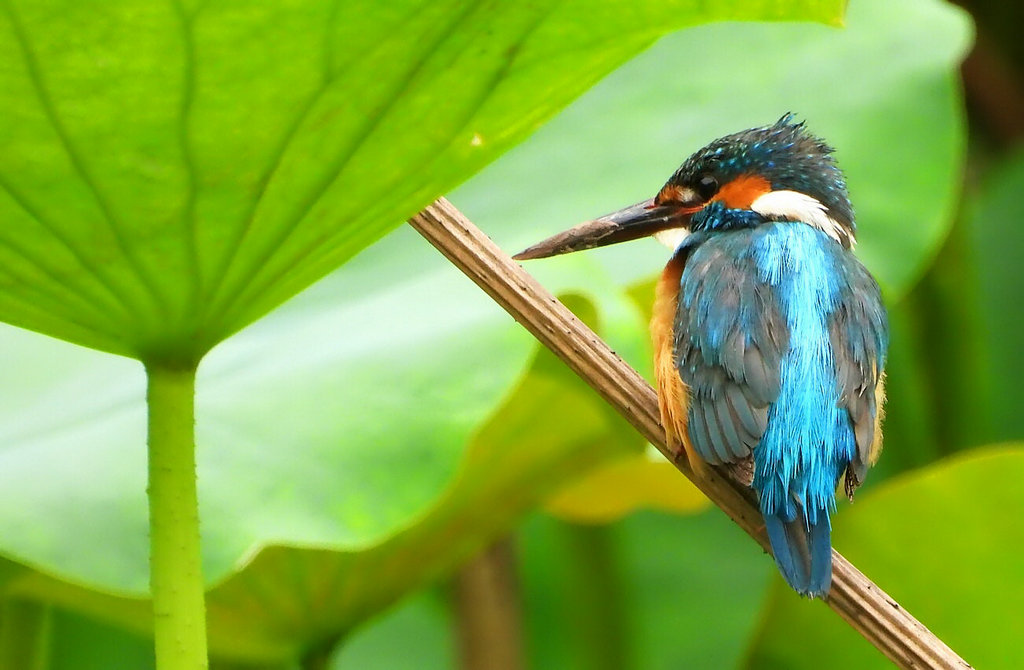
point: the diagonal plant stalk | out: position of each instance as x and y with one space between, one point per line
868 609
176 579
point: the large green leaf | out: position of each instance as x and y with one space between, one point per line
170 172
944 542
328 437
335 471
863 88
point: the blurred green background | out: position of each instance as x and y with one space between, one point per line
392 475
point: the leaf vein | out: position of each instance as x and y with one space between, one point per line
359 139
217 285
361 233
117 302
184 138
74 156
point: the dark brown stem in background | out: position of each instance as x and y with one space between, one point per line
994 91
488 612
876 616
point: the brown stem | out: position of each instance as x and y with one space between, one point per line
993 90
876 616
488 613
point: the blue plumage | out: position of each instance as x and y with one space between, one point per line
774 363
754 337
810 438
780 337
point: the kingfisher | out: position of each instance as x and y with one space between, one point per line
769 335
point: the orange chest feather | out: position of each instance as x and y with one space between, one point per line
672 392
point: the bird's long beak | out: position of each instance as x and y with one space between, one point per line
636 221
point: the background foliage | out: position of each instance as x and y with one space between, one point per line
363 440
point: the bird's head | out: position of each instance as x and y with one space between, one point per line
775 173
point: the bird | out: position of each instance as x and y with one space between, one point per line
770 336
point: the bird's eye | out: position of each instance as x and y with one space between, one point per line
707 186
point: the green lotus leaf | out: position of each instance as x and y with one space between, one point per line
171 172
375 430
321 458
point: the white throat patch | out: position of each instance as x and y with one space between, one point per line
672 237
802 207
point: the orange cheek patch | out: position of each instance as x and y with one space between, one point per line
742 191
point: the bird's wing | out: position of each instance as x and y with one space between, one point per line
859 333
730 337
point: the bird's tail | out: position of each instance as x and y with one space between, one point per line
803 551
